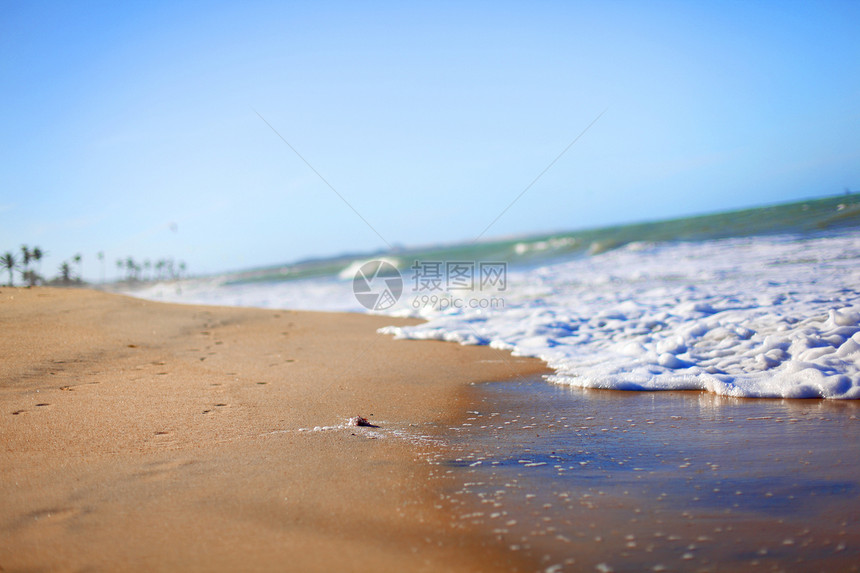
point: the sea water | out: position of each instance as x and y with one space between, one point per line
590 480
763 303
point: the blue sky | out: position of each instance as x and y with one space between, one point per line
133 128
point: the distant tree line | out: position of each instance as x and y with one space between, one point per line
11 263
70 272
147 270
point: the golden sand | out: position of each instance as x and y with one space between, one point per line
148 436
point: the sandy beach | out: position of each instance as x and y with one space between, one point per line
148 436
139 435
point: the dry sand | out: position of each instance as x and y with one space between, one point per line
139 435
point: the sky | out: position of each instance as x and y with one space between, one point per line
239 135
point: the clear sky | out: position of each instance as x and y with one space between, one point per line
132 127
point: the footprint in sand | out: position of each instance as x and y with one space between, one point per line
23 410
156 471
220 405
162 439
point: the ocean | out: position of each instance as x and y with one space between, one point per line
759 303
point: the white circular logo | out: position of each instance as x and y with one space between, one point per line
377 285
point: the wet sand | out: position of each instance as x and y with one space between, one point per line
148 436
596 480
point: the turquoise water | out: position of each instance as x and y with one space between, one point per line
803 217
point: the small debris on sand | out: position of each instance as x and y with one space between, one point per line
359 421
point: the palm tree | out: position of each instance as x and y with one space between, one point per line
101 257
66 273
37 255
131 268
26 257
119 266
9 263
77 258
30 276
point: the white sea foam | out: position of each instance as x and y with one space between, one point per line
328 294
349 272
753 317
